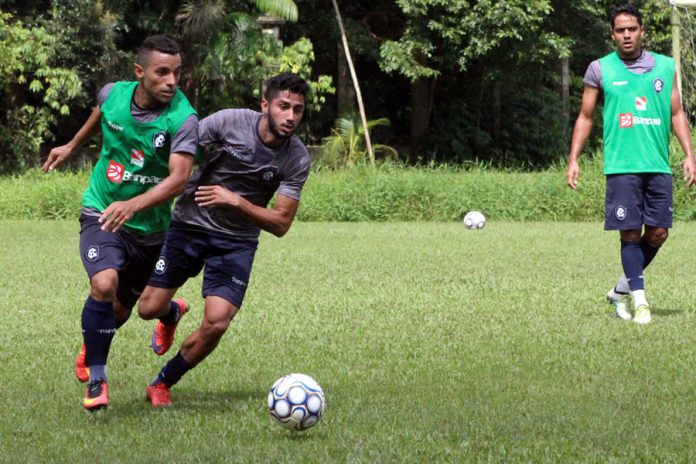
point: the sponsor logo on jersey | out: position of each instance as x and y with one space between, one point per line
620 213
159 140
641 103
619 83
628 120
161 265
114 172
92 253
658 85
117 173
114 126
235 153
137 157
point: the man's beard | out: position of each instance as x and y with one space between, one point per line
274 129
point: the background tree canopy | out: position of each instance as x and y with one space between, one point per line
493 81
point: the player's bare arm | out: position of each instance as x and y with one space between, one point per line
276 220
120 212
58 155
680 125
583 127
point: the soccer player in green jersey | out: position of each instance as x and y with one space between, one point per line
642 106
150 137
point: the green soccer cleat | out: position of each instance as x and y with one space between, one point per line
620 305
643 315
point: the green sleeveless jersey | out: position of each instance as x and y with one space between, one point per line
637 116
134 157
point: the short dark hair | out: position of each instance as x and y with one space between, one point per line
628 9
161 43
285 81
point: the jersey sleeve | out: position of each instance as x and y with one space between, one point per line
298 172
185 139
593 75
103 93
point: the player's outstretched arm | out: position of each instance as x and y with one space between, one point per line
680 126
58 155
120 212
276 220
583 127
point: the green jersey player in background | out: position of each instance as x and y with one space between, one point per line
149 139
641 106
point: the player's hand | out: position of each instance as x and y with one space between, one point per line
690 171
56 157
116 214
217 195
573 174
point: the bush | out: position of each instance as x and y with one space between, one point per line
388 192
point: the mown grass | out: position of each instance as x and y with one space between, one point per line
432 343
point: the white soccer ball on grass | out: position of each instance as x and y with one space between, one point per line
296 401
474 220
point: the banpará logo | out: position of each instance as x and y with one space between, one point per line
161 265
658 85
628 120
620 213
117 173
159 140
115 126
92 253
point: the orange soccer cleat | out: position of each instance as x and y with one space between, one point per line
163 336
158 395
97 396
81 367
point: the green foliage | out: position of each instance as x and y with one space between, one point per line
34 88
346 144
286 9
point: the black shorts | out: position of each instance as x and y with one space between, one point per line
633 200
227 263
122 251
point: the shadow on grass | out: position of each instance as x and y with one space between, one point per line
666 312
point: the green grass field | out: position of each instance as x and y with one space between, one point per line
432 344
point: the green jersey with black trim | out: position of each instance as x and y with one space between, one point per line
637 116
134 157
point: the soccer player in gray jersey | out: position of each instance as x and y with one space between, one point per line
149 139
251 156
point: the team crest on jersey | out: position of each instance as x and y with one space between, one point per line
159 140
658 85
137 157
625 120
114 172
620 213
161 265
641 103
269 174
92 253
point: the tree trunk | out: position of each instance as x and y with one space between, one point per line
565 93
422 92
344 89
358 94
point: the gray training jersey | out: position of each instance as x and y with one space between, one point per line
641 65
238 160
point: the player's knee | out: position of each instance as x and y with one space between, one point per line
657 237
214 330
104 287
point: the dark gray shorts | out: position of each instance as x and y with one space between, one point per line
121 251
634 200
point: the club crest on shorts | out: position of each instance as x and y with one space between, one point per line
620 213
159 139
92 253
161 265
658 85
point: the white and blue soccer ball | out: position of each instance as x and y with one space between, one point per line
296 401
474 220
